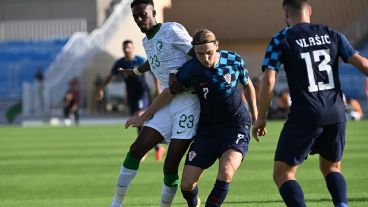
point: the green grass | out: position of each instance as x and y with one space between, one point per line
78 166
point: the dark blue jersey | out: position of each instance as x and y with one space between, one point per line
310 55
136 85
218 91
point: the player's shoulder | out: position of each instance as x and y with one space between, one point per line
191 63
231 57
173 26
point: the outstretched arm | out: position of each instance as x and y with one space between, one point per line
359 62
250 95
136 71
160 101
267 87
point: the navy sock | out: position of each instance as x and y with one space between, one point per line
218 194
292 194
337 186
191 197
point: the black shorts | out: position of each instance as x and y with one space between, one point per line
209 145
139 104
297 140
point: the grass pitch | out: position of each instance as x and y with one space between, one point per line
78 166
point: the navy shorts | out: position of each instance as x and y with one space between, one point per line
297 140
209 145
139 104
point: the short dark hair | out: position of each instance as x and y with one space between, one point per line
136 2
127 42
296 5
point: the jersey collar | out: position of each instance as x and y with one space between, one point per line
152 32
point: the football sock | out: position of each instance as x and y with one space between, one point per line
127 173
292 194
191 197
218 194
169 189
337 186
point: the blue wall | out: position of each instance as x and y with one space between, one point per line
19 61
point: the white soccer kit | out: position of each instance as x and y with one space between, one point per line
167 51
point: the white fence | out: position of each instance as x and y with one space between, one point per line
41 29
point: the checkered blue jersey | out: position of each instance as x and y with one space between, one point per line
310 56
218 90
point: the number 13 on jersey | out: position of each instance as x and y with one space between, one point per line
323 66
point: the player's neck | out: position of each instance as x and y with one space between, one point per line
152 32
129 57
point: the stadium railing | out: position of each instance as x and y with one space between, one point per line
75 56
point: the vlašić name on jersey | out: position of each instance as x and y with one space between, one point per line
312 41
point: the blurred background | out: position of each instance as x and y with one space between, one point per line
49 47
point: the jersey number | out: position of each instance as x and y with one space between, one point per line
323 66
154 62
186 121
205 92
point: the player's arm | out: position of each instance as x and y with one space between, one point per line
136 71
100 90
160 101
359 62
267 87
250 95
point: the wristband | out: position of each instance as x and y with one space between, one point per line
173 72
136 71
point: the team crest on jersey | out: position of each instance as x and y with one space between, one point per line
192 155
159 45
227 77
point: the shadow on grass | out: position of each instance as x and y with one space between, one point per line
352 200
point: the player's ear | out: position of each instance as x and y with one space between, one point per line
154 13
310 10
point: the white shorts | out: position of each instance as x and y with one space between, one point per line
178 119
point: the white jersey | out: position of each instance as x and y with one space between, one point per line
167 50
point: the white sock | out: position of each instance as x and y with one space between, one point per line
167 195
125 177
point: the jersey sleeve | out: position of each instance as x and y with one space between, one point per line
272 59
181 38
243 72
345 49
185 76
140 60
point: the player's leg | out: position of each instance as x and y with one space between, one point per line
159 152
295 143
146 140
330 146
228 164
189 187
289 188
175 153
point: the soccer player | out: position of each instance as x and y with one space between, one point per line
137 90
316 122
223 128
167 46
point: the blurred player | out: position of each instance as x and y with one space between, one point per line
316 122
137 90
167 46
223 128
70 107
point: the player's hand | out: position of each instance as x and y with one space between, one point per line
259 129
99 95
174 86
134 121
126 72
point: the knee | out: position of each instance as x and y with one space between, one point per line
187 185
280 176
329 168
226 174
136 151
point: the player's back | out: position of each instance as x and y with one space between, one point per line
310 54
